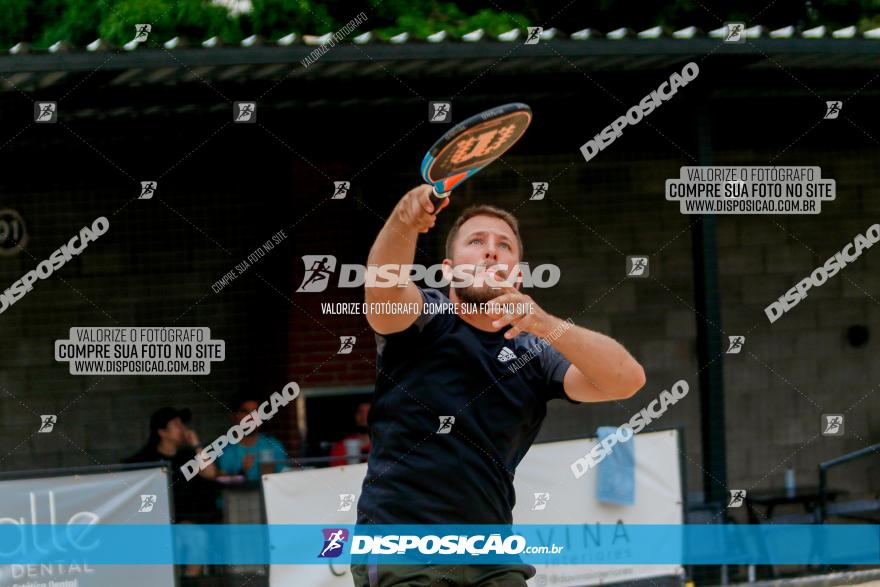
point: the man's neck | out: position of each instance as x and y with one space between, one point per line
250 439
480 321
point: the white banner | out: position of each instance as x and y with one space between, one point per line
124 497
545 469
322 496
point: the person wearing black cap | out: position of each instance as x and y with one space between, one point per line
195 501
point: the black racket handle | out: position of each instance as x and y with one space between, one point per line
437 199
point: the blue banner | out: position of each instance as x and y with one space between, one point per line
447 544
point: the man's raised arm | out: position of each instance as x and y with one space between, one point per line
396 244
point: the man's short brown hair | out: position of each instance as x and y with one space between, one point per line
483 210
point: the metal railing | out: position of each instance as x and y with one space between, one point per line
822 509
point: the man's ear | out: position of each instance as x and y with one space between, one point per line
447 270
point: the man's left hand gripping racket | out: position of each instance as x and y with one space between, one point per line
471 145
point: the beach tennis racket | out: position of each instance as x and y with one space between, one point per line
471 145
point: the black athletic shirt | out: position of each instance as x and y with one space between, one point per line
194 500
442 366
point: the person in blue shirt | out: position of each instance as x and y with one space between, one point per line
245 457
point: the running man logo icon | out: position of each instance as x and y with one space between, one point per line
346 345
735 32
340 189
541 500
539 188
45 112
534 35
832 109
736 343
319 268
147 503
334 542
737 498
141 32
148 188
505 355
47 423
244 112
346 500
636 266
440 112
832 424
446 423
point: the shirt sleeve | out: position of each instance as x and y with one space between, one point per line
229 462
553 367
433 301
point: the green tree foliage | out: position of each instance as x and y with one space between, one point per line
423 17
275 18
74 21
43 22
193 19
18 21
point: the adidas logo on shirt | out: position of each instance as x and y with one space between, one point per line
506 355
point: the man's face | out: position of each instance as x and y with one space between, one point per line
484 241
175 431
244 409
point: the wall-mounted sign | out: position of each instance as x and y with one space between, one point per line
13 233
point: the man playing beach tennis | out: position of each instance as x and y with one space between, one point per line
450 420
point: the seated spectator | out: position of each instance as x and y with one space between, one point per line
249 457
357 442
194 500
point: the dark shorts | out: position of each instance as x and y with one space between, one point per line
441 575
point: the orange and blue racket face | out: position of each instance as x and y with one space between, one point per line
473 144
